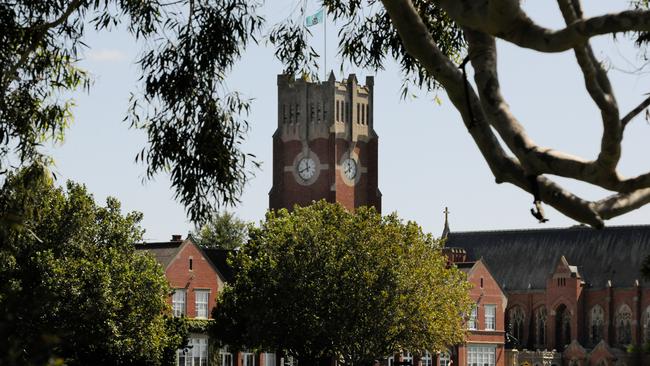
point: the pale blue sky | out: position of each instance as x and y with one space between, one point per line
427 159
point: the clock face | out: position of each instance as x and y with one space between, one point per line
306 168
350 168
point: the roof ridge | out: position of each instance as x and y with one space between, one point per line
572 228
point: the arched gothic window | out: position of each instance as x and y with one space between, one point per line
646 325
562 327
516 325
624 325
597 323
540 327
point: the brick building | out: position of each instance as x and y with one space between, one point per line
325 146
575 296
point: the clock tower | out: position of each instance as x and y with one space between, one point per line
325 146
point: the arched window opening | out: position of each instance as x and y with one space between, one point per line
540 327
516 325
624 325
562 327
597 324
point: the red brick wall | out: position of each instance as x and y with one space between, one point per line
201 277
286 192
489 294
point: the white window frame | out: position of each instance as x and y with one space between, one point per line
225 357
472 323
445 359
248 358
407 357
201 301
179 302
269 359
195 354
490 316
481 355
426 359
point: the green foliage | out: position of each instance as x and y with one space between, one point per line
224 230
72 287
321 281
194 125
199 325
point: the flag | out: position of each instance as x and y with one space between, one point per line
317 18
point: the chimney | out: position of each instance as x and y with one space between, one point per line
176 237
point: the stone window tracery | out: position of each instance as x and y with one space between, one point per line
646 325
596 324
516 325
624 325
540 327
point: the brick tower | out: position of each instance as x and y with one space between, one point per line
325 146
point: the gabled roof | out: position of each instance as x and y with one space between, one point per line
518 258
163 252
219 257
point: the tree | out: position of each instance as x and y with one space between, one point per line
321 281
72 288
195 127
224 230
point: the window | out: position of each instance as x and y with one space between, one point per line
597 324
472 323
481 282
178 302
196 353
490 316
358 112
269 359
407 357
445 359
624 325
426 359
481 355
516 323
225 357
338 111
540 327
289 361
248 358
201 303
190 263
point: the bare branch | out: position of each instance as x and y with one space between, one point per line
621 203
600 89
633 113
506 20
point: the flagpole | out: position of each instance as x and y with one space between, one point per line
325 44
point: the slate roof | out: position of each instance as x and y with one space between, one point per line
219 258
163 252
518 258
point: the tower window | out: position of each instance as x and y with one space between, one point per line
367 113
312 111
358 112
363 114
338 111
284 113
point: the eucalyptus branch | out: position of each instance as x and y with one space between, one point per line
39 31
506 20
633 113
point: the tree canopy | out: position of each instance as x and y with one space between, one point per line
72 288
195 125
223 230
321 281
